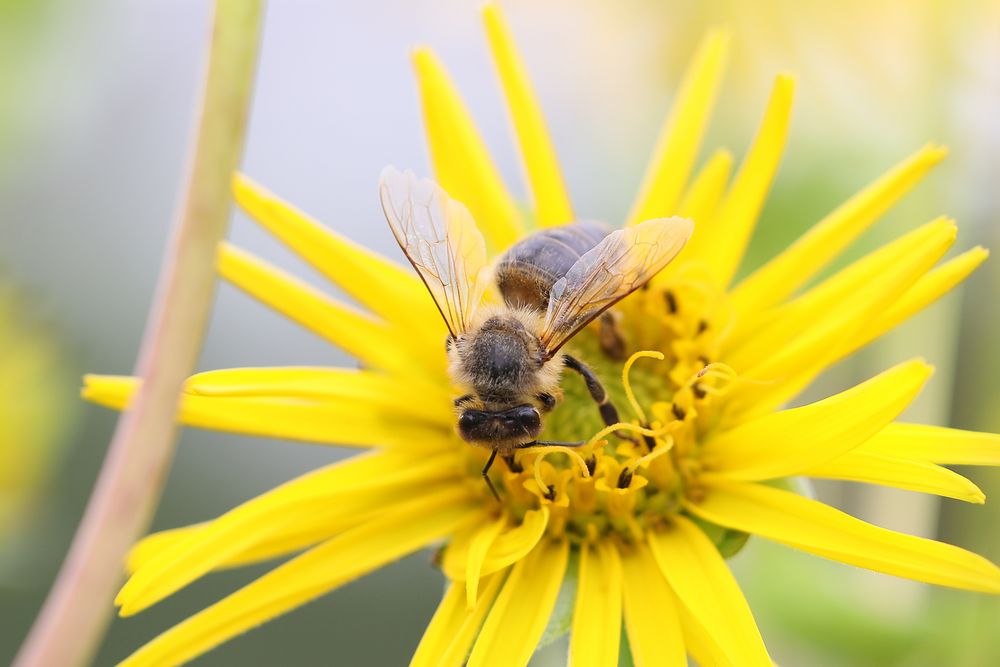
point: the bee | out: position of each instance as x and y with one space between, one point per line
507 356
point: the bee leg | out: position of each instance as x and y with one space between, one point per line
610 336
608 411
550 443
486 474
512 463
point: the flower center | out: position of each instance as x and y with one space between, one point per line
669 392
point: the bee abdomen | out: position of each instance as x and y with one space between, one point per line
526 273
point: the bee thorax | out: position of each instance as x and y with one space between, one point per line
499 360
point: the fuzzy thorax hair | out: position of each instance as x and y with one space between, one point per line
499 360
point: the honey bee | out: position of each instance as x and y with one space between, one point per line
553 283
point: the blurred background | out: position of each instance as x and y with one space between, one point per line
94 127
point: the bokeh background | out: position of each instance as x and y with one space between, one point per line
94 125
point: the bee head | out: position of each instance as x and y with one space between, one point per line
516 425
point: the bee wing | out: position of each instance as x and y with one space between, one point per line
617 266
440 238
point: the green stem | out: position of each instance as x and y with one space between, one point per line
70 626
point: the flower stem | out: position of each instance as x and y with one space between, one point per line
70 626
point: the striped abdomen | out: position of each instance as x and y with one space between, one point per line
526 273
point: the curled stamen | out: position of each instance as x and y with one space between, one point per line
721 370
717 369
623 426
645 460
650 354
575 456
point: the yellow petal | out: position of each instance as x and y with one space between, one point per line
781 276
506 549
152 546
478 549
373 343
449 636
791 441
425 401
811 526
243 527
928 289
314 573
522 610
392 291
552 206
699 642
936 444
900 473
677 146
342 474
705 193
346 421
721 251
699 576
597 611
919 249
462 163
699 204
651 621
812 331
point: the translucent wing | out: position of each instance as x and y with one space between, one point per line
439 237
617 266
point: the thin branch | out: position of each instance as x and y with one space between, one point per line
70 626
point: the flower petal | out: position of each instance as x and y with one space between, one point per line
151 546
425 401
919 248
700 202
297 534
699 642
651 622
677 145
552 206
811 526
393 292
788 271
597 611
478 549
349 422
373 343
462 164
920 476
449 636
521 611
792 352
705 193
314 573
243 527
702 581
936 444
721 251
506 549
928 289
791 441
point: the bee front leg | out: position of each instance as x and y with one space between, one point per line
609 414
486 474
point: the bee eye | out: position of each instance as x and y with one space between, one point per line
527 417
471 419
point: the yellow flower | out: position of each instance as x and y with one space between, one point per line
644 523
33 412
